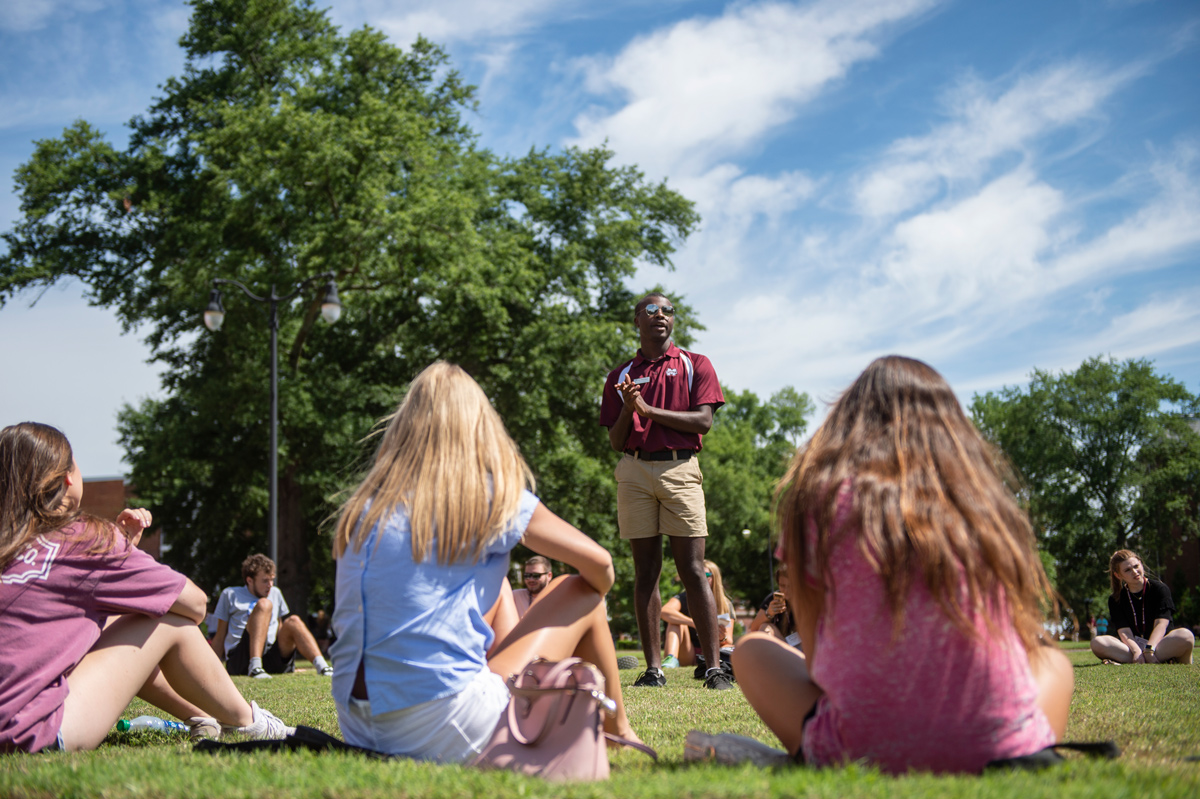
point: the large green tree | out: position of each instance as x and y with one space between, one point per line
1106 460
744 457
287 149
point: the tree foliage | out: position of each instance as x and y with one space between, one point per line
287 149
1107 460
744 456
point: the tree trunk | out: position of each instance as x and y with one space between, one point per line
293 567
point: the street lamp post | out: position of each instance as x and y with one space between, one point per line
214 316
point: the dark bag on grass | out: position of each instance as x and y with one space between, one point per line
1044 758
303 738
553 727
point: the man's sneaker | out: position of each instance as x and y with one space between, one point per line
719 680
266 725
731 750
327 671
670 662
201 727
259 673
650 679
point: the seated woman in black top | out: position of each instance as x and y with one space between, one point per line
1140 609
681 648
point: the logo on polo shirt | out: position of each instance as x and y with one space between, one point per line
672 372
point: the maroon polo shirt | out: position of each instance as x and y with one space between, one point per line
666 386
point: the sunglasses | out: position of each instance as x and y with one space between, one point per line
708 574
652 308
535 575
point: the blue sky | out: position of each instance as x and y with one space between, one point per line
989 186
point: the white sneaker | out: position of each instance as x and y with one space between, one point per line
731 750
266 725
259 673
201 727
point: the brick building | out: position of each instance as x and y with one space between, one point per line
106 497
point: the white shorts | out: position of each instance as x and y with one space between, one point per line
452 729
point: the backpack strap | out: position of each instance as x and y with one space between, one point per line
687 364
624 372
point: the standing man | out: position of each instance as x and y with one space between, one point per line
537 576
256 634
656 408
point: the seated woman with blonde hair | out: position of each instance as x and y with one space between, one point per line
426 627
1140 608
683 642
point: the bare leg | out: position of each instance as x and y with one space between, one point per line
689 562
1109 647
774 678
124 660
647 602
1178 644
1055 677
687 652
294 636
503 617
570 621
257 626
158 692
671 644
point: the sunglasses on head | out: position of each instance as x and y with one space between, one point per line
708 574
535 575
652 308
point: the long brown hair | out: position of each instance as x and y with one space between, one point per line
929 496
446 457
35 459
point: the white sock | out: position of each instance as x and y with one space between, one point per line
255 663
319 663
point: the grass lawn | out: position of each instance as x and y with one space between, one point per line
1153 713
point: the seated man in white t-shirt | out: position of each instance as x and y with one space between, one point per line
537 576
256 633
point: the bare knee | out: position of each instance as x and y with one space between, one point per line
263 605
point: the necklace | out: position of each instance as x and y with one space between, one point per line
1138 628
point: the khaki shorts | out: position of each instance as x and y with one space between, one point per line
660 498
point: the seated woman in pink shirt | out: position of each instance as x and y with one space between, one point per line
917 589
88 621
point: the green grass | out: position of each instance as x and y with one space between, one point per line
1152 712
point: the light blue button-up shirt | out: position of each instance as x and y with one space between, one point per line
417 628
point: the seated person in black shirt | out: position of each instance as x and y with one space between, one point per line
1140 609
775 614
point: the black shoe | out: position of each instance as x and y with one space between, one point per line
650 679
701 671
719 681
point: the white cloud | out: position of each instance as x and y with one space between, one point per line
982 129
986 246
449 20
29 15
1167 224
703 89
